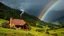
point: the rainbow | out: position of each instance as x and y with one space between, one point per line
46 10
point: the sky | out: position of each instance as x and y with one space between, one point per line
32 7
45 10
55 12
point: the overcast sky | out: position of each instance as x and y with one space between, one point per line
56 12
34 7
30 6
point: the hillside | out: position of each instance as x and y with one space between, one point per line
37 27
35 31
7 12
59 21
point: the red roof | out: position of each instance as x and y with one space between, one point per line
19 22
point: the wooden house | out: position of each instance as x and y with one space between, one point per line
18 24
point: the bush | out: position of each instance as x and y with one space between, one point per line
39 30
62 32
40 26
29 28
54 34
5 25
29 34
12 27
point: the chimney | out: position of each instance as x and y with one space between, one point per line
11 20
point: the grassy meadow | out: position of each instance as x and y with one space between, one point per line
32 32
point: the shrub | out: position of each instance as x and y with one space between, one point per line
39 30
5 25
40 26
29 28
54 34
29 34
62 32
12 28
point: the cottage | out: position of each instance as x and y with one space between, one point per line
18 24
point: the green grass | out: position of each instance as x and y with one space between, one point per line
32 32
2 21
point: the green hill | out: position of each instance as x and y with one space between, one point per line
7 12
38 27
35 31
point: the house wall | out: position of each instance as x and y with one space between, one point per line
11 22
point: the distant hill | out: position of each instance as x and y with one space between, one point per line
59 21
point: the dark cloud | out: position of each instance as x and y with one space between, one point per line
53 15
30 6
34 7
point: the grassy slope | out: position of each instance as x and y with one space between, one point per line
2 21
32 32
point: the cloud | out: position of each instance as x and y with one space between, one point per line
30 6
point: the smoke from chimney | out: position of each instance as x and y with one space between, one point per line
22 12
